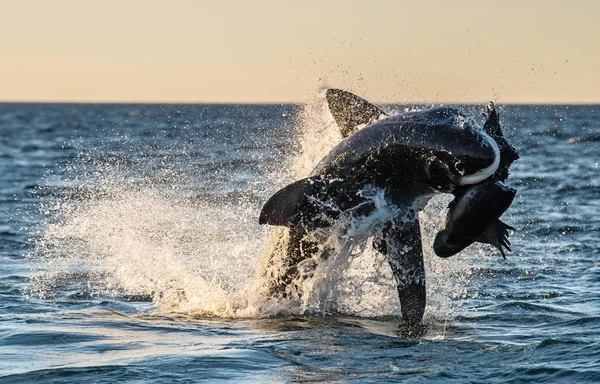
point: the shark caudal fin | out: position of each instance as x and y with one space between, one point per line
350 111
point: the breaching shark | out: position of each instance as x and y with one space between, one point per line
411 157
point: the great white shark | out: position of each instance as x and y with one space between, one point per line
411 157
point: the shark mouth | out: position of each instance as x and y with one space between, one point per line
484 173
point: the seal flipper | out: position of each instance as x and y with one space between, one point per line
492 122
508 154
496 234
401 243
350 111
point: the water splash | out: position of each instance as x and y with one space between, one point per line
358 280
118 229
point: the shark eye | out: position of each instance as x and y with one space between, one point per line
459 167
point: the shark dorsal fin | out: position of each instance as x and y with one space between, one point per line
350 111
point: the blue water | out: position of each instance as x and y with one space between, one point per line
127 230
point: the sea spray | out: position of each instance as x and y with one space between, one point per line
165 226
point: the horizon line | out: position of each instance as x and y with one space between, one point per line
420 102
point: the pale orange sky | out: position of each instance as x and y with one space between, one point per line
283 51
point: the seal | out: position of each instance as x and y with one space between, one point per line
411 157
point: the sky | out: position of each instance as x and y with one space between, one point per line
261 51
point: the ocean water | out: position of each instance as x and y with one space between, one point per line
130 251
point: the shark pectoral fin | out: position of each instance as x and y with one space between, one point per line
405 255
350 111
282 208
496 234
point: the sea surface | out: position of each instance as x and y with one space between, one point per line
130 251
